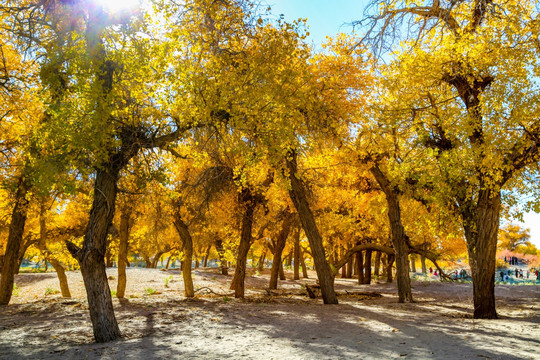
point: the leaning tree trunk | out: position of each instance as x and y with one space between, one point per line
62 278
245 243
278 250
298 196
187 247
16 230
399 240
481 228
262 259
360 266
123 247
206 255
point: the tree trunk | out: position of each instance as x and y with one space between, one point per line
187 248
413 263
262 258
62 278
360 266
249 203
481 227
376 271
16 230
423 262
350 264
296 260
367 267
206 255
299 198
221 254
277 265
304 268
389 263
123 247
168 262
399 240
91 256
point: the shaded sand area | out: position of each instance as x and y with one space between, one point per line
283 324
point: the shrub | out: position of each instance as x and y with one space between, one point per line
51 291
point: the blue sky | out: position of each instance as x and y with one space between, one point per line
327 18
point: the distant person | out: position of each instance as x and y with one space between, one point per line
431 270
435 273
521 273
537 275
509 273
527 273
502 275
517 273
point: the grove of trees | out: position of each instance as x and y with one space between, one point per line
210 129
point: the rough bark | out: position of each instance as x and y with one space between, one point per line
423 262
15 235
481 228
399 240
125 219
91 256
298 196
281 273
249 203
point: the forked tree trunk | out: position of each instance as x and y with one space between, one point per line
299 198
399 240
187 247
481 227
15 235
221 254
360 266
245 243
125 218
367 267
296 260
376 270
277 264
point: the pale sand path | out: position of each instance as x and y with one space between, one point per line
166 326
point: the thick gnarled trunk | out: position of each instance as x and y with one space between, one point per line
15 235
481 228
91 257
299 198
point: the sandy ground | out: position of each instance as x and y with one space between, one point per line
282 325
